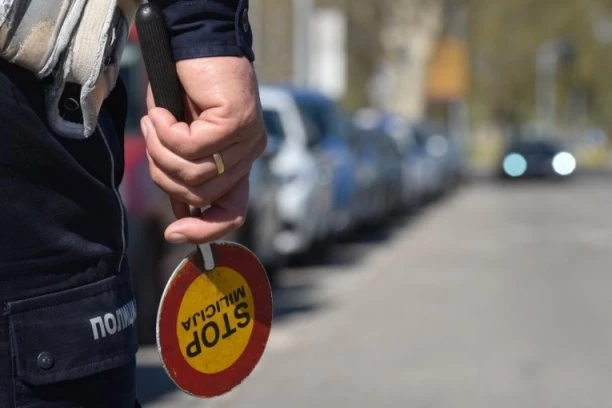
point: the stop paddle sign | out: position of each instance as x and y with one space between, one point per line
214 321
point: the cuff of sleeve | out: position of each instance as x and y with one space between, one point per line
211 50
244 33
209 28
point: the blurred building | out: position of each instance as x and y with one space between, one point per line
410 35
272 24
361 53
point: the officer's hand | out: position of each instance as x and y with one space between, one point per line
223 116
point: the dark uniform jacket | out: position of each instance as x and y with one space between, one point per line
66 306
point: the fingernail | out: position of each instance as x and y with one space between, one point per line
176 238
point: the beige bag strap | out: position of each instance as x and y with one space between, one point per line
78 41
34 33
92 62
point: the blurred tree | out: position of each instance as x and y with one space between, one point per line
380 34
374 49
273 40
364 25
504 38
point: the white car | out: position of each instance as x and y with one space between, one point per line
304 196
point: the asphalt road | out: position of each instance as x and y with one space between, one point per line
498 296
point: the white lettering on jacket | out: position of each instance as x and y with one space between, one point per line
113 323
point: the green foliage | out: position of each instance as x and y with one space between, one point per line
504 37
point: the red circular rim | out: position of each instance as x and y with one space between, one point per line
188 379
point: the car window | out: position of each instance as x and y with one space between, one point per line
273 124
536 148
320 113
420 135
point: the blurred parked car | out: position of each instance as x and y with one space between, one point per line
429 161
303 197
455 163
263 223
369 203
373 137
433 153
392 165
333 147
536 158
414 160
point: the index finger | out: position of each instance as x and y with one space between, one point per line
222 217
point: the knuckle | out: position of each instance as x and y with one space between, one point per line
229 116
253 116
243 124
191 177
226 110
189 151
230 128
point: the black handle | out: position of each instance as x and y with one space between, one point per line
158 60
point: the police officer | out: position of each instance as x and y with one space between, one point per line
67 335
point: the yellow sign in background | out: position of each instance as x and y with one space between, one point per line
448 74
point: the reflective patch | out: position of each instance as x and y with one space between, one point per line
113 322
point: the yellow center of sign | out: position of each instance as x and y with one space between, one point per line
215 320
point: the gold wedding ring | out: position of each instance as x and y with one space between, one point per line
219 163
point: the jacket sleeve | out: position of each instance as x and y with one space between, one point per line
208 28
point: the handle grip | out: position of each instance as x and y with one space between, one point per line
158 60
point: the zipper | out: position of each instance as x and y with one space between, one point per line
117 197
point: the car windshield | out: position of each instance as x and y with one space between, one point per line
273 124
542 148
319 112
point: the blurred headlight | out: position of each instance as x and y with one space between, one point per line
515 165
564 164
